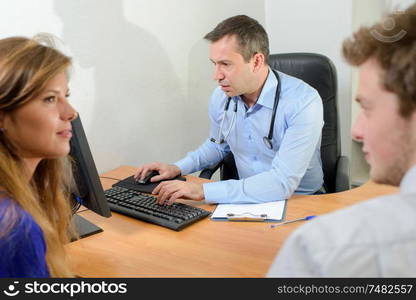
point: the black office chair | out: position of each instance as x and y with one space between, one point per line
319 72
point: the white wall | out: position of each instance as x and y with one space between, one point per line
320 27
141 78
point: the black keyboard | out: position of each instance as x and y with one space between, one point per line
144 207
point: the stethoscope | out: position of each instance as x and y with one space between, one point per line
267 139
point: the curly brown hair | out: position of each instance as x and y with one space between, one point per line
394 48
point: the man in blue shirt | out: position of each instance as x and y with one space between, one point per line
239 51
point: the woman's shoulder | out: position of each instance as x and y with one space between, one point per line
12 212
15 218
23 247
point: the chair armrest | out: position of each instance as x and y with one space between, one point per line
208 172
342 182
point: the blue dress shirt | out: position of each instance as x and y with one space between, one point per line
23 248
293 165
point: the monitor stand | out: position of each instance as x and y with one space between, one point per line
84 227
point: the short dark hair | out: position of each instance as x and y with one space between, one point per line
395 51
251 36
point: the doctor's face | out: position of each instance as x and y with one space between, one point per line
389 140
233 74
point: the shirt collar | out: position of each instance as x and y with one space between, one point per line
407 185
268 92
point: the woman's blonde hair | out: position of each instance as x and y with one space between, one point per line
26 66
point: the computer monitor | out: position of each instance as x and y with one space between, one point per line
88 190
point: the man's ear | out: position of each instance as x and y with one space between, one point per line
258 61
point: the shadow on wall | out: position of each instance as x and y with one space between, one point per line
200 88
137 92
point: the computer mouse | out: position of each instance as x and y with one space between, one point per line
147 178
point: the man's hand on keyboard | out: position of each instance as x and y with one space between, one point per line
169 191
165 171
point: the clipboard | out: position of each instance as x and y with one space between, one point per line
263 212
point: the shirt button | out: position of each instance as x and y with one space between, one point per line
249 137
255 158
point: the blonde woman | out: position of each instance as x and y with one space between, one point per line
35 130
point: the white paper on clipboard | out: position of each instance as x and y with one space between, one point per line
269 211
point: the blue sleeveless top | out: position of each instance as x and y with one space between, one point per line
23 249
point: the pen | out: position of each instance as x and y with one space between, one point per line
291 221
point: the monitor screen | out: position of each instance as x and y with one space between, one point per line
88 190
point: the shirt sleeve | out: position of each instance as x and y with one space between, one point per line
23 249
294 259
335 244
303 133
209 153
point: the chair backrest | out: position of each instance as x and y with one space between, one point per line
320 73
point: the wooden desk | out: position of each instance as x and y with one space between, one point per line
132 248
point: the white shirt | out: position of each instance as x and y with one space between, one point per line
376 238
